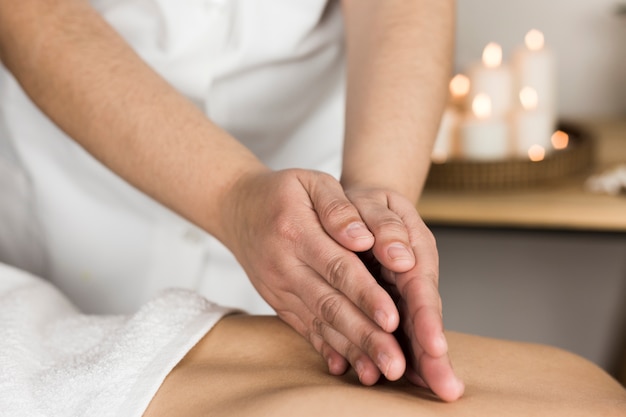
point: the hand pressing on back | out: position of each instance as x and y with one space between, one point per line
296 233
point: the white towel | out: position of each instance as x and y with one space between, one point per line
57 362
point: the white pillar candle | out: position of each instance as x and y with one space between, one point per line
534 66
446 142
493 78
484 137
532 126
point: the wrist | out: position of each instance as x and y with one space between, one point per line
235 202
408 185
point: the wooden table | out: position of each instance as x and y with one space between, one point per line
562 205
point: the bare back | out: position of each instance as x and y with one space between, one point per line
258 366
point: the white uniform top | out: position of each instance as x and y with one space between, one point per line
270 72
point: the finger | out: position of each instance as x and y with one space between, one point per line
291 312
426 320
337 364
419 289
338 216
434 373
343 326
414 377
423 311
413 338
440 377
367 371
392 245
333 314
328 342
429 364
345 272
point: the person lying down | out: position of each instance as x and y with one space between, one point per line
181 355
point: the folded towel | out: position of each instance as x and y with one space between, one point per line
55 361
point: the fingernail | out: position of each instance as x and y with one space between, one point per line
381 319
399 251
331 366
359 367
358 231
460 384
443 343
383 363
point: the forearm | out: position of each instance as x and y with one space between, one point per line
399 62
84 76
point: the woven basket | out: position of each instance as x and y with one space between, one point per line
516 173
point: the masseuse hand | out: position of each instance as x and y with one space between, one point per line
412 279
295 233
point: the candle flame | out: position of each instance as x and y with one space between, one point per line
459 86
529 98
536 153
534 40
481 106
560 140
492 55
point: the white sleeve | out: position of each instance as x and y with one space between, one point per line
56 361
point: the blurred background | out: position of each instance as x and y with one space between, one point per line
545 263
588 38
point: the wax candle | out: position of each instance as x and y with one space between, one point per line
493 78
534 66
446 142
484 136
532 125
459 89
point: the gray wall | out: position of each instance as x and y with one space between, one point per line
558 288
589 41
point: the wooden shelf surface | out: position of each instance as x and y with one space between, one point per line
564 204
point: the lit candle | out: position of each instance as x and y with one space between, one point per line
493 78
459 89
446 143
534 66
536 153
482 136
560 140
531 125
